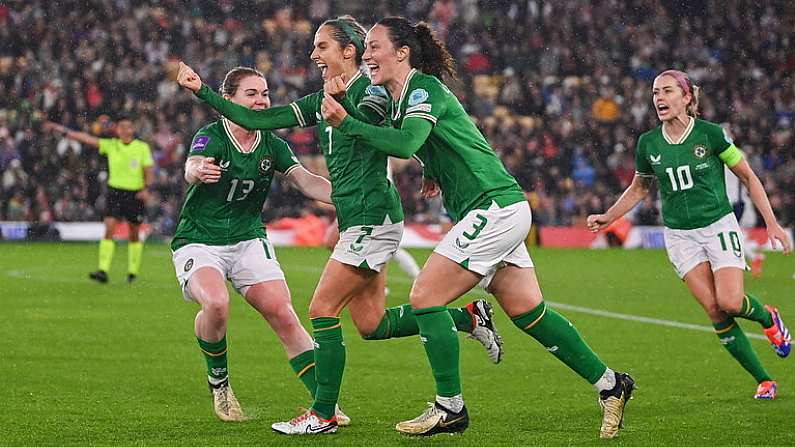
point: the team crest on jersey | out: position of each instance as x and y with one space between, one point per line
417 96
224 164
700 151
189 264
375 90
655 160
265 165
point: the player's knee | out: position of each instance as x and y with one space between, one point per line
731 302
419 298
321 307
216 308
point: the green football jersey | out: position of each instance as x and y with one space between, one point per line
689 172
456 155
361 192
230 211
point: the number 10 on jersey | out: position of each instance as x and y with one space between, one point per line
683 180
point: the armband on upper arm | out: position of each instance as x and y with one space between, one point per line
731 156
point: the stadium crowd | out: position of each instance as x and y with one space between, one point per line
561 89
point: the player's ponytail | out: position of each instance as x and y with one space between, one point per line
436 60
233 78
692 108
427 52
347 31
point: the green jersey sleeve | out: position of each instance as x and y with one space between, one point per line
306 109
283 157
642 165
205 144
279 117
374 104
723 145
427 99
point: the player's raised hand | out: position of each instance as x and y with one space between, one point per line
188 78
597 222
430 188
776 233
332 111
208 171
336 87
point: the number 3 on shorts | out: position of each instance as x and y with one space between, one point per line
734 240
357 246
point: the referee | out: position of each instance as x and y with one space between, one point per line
130 172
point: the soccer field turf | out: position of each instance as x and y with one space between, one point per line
118 364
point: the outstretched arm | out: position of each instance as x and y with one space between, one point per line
82 137
758 195
401 143
311 185
636 191
268 119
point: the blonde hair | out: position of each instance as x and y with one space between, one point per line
692 108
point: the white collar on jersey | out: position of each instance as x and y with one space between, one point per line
685 134
396 110
353 79
238 146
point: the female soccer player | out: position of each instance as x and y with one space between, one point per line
686 155
370 220
493 219
220 235
130 171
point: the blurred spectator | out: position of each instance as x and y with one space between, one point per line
561 90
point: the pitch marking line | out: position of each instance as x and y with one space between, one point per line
639 319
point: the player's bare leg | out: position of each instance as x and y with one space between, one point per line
734 300
701 283
518 293
338 284
440 282
208 288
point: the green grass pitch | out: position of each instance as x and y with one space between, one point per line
115 365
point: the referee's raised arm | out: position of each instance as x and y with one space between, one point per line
82 137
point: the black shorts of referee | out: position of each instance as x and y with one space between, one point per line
122 204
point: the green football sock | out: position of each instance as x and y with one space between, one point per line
734 340
215 356
754 310
401 322
562 340
329 364
304 366
106 247
135 252
438 335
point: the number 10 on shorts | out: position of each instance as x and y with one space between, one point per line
734 242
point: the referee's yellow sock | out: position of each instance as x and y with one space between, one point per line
106 247
135 252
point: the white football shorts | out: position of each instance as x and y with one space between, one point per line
486 240
368 246
720 244
243 264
